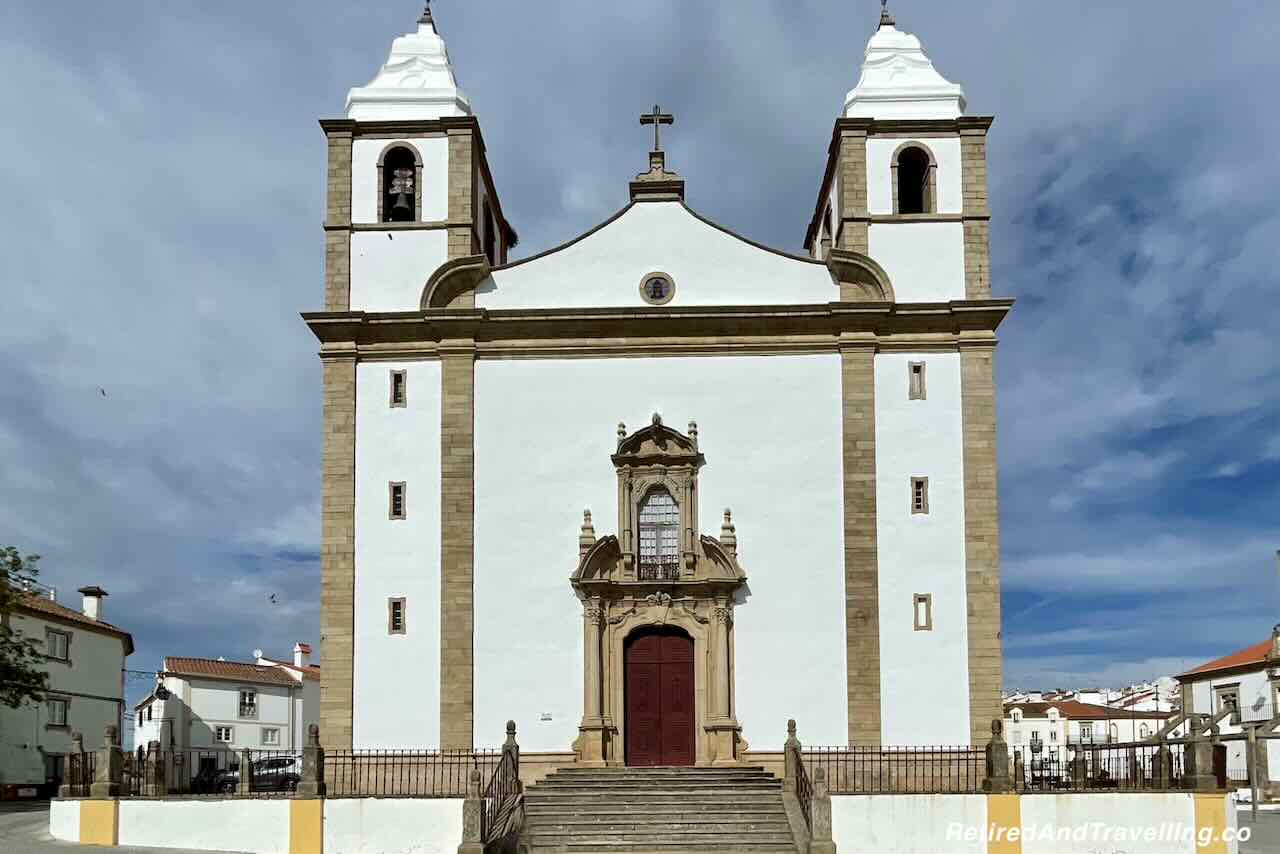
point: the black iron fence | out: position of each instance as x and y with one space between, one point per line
898 770
209 772
501 797
405 773
1132 766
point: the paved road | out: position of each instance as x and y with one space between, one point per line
24 829
1266 832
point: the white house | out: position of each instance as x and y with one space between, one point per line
1048 728
212 703
1248 681
85 658
839 397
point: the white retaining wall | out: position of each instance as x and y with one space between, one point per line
64 820
251 826
394 826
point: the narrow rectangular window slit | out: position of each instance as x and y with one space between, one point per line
399 388
923 603
919 495
395 616
397 501
916 375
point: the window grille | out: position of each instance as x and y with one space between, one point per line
659 536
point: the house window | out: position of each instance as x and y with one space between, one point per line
1114 732
270 737
913 180
396 617
399 388
915 378
248 703
224 734
1228 696
57 709
1144 731
396 497
1053 735
919 495
1086 732
56 644
659 536
148 713
139 718
923 603
1035 735
399 185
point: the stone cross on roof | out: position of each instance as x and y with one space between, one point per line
657 118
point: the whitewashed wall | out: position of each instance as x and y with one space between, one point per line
397 677
250 826
770 429
64 820
709 266
1117 811
434 152
390 269
95 667
921 553
217 703
371 826
924 260
906 824
946 153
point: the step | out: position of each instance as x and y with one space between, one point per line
721 842
673 812
664 848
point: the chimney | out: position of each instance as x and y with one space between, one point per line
1275 643
301 654
92 601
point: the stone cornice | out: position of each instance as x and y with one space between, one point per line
637 331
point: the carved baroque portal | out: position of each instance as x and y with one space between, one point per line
658 571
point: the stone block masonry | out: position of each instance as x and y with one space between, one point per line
861 570
982 535
337 237
457 545
977 212
337 550
855 221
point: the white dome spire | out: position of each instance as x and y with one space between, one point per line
416 82
899 82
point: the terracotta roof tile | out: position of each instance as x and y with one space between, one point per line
236 671
1250 655
46 607
1075 710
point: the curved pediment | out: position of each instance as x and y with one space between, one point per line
708 264
719 561
657 442
598 564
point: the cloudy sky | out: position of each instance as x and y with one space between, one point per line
162 178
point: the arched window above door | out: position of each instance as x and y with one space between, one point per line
659 525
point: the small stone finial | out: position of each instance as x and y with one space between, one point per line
511 730
656 420
791 729
693 431
110 736
886 20
622 432
313 735
729 532
586 536
426 18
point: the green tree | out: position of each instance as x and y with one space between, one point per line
22 675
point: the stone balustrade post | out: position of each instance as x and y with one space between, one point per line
311 785
821 841
1162 772
790 756
244 786
472 809
511 746
997 778
1197 763
109 771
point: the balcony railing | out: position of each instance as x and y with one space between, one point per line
662 571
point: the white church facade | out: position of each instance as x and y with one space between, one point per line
655 371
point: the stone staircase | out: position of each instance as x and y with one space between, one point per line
651 810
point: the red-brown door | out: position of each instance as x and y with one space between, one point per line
660 698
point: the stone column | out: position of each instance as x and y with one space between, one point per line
109 770
312 783
244 788
472 832
457 544
722 725
592 745
997 778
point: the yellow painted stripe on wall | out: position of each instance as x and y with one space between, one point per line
1211 816
306 827
1004 813
100 822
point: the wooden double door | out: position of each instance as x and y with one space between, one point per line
660 698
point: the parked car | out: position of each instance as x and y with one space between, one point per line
274 774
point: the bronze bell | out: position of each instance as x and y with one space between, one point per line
402 210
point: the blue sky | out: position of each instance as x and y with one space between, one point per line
162 174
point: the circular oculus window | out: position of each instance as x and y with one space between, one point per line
657 288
